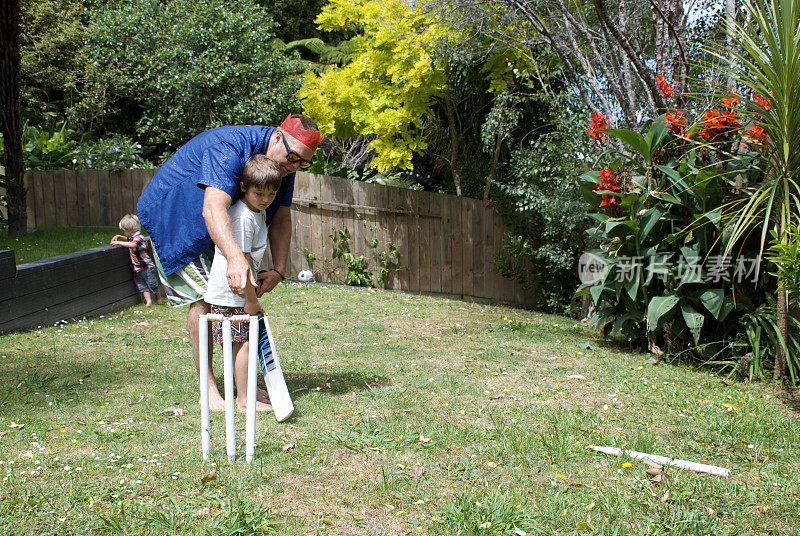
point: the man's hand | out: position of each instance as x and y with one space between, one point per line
267 281
239 274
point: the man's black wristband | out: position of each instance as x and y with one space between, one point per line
280 274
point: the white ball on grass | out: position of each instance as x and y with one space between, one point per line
305 276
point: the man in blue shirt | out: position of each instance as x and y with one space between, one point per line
185 205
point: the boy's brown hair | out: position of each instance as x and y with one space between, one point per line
130 222
261 171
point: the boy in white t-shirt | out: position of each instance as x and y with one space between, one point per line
261 179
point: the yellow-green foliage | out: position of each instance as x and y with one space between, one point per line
391 83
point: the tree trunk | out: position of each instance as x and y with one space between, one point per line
9 116
730 20
495 160
783 328
451 122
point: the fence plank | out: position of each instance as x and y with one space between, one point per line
71 207
35 181
104 189
424 267
59 191
477 248
447 244
81 197
30 200
409 254
129 193
435 208
467 231
93 196
325 225
112 202
315 221
300 218
456 241
359 198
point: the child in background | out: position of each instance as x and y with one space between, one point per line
145 274
261 178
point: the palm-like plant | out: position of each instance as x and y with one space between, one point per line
766 46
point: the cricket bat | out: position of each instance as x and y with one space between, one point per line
279 397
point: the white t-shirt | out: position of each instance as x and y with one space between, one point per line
250 232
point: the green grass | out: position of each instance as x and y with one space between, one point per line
415 415
50 242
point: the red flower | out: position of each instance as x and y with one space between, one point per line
598 123
676 122
761 101
729 101
755 136
607 182
663 86
717 123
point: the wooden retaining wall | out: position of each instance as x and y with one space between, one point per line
84 283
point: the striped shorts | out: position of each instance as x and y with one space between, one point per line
188 284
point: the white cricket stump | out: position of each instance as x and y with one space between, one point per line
230 407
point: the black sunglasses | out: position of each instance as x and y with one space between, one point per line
295 158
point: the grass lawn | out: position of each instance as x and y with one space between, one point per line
50 242
415 415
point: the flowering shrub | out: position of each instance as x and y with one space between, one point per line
665 279
115 154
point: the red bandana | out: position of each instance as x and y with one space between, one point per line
294 128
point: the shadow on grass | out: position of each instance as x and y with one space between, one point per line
791 400
334 383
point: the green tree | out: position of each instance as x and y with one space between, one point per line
389 86
53 60
181 67
767 52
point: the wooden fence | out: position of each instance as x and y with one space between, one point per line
446 243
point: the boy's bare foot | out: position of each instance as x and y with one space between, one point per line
215 402
241 406
262 396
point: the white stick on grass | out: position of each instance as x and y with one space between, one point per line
664 461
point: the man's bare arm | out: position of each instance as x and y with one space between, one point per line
215 213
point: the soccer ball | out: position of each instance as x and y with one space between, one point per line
305 276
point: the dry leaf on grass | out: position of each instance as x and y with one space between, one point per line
15 425
208 478
202 512
288 447
177 411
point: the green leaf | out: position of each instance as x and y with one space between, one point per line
694 320
658 307
665 196
712 299
634 140
648 221
728 305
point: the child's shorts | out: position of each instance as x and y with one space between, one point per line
146 280
239 330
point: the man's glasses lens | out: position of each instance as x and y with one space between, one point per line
294 158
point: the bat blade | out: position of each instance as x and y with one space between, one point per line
279 398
